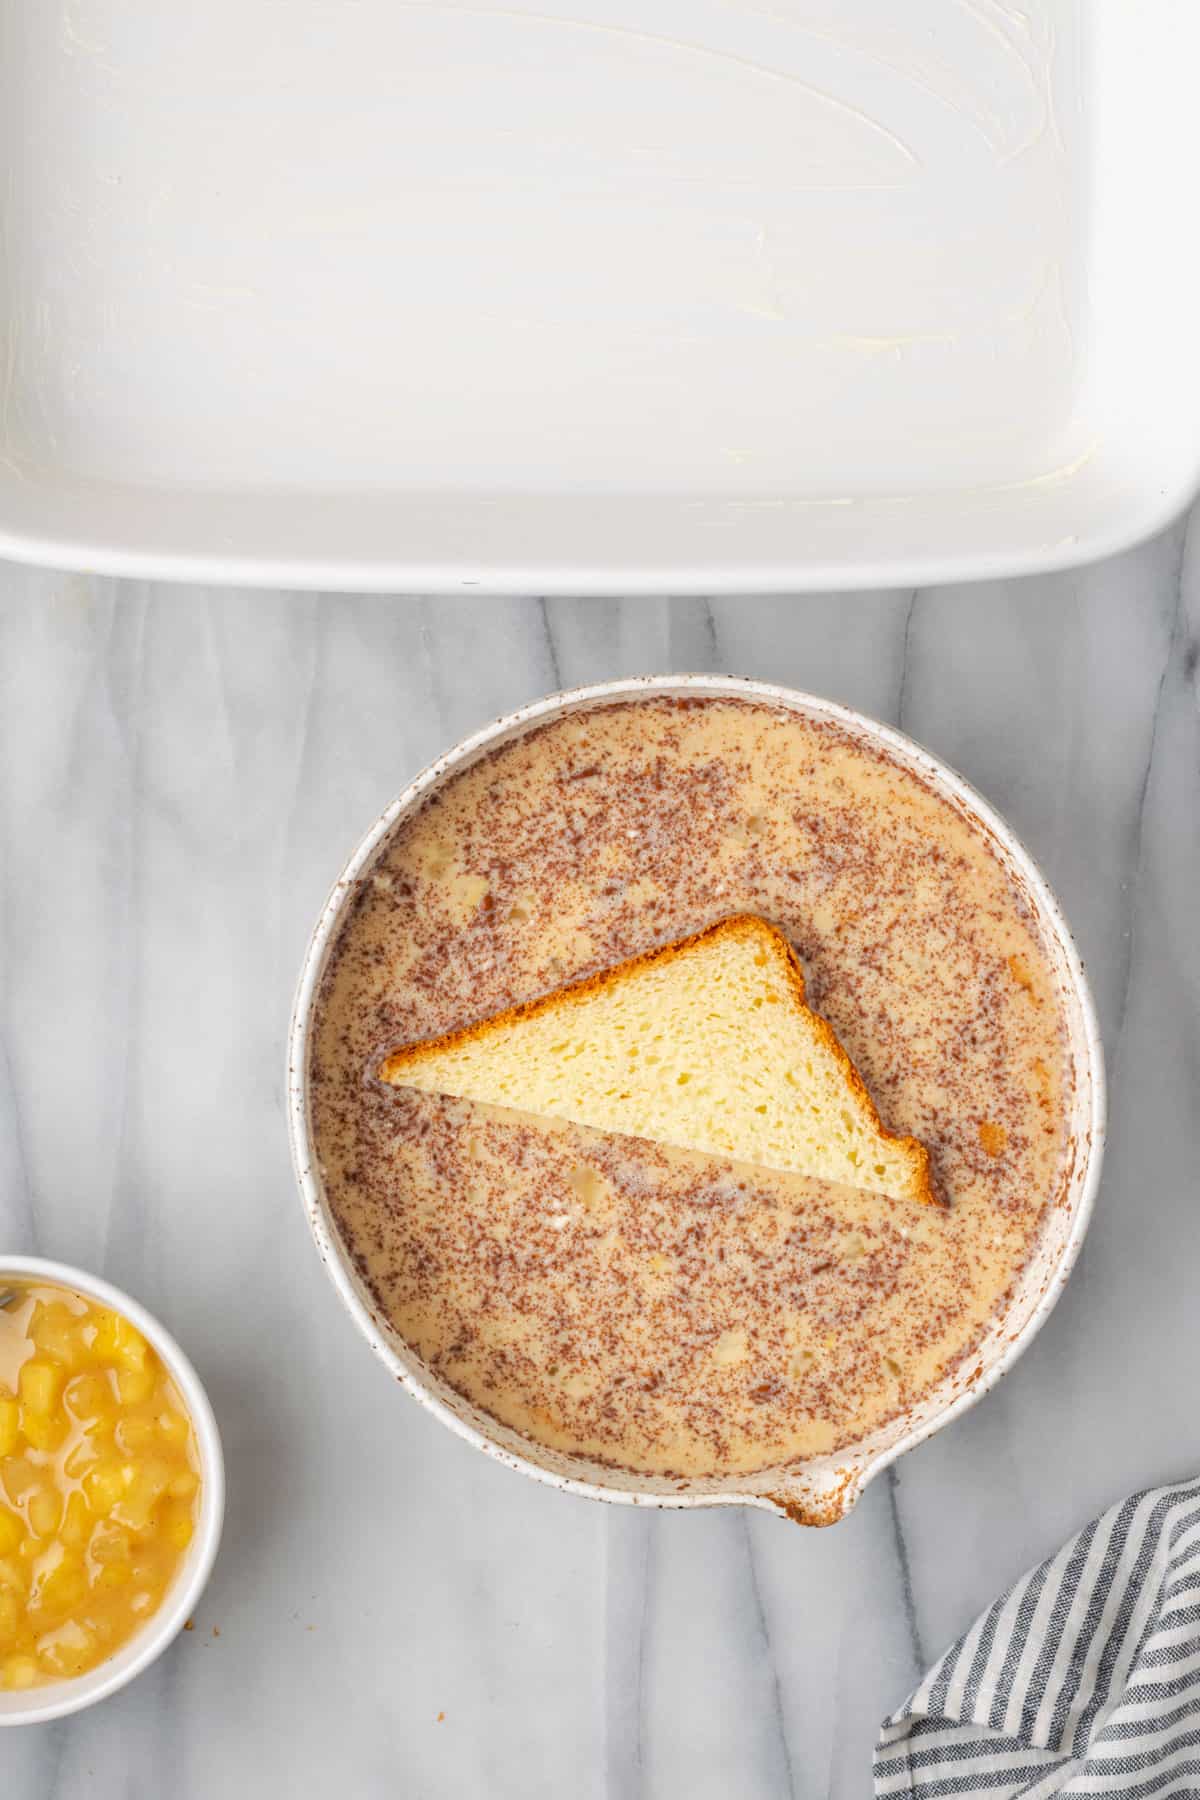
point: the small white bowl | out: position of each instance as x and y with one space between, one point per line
33 1706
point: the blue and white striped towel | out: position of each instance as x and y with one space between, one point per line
1083 1679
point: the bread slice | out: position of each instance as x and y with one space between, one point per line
707 1044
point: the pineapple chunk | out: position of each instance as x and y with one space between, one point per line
135 1386
101 1434
113 1575
174 1430
149 1569
11 1531
137 1436
89 1396
11 1616
103 1486
10 1423
39 1384
14 1575
64 1586
178 1527
83 1457
45 1512
18 1672
117 1341
76 1527
19 1475
146 1487
102 1623
110 1544
67 1651
55 1330
42 1431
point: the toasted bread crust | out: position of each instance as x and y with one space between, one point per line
398 1063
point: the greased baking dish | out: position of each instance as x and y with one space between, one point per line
588 295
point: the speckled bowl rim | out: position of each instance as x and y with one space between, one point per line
841 1478
55 1699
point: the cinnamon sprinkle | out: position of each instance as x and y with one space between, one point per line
651 1309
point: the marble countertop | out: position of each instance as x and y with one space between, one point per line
182 772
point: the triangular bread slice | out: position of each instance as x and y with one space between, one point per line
707 1043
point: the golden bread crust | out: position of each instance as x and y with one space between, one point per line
397 1064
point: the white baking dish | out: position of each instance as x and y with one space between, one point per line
820 1491
584 295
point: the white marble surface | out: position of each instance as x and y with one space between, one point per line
181 774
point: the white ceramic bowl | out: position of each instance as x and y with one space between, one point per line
33 1706
822 1490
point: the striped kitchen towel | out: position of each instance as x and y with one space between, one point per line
1083 1679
